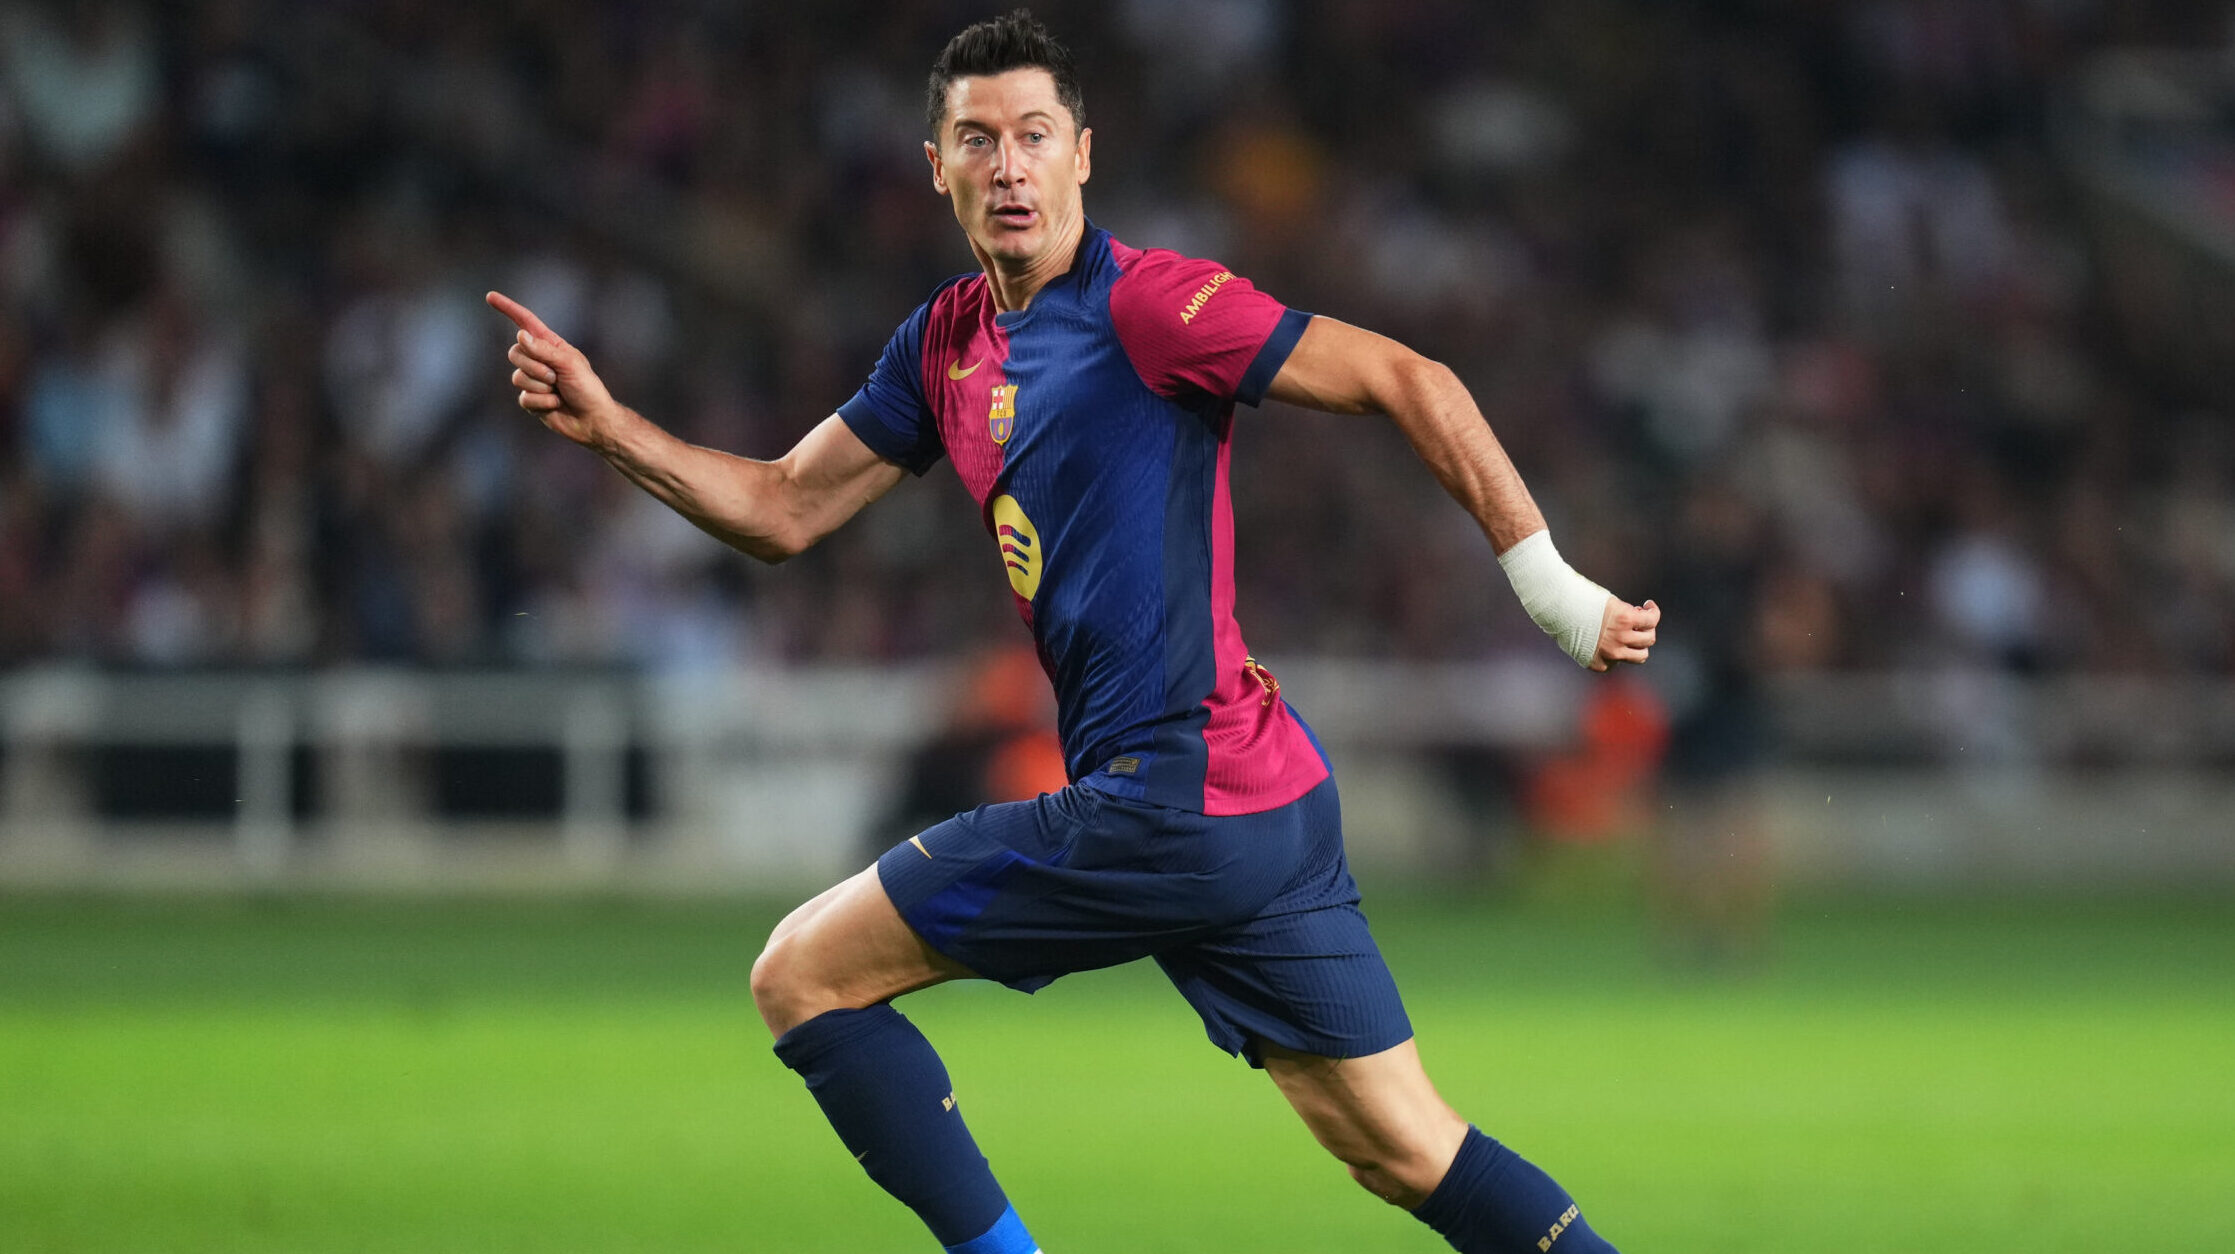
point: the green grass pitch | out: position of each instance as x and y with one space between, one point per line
313 1076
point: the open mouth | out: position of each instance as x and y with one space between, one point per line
1016 215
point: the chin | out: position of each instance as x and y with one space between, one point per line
1015 245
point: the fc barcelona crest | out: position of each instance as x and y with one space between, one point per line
1003 418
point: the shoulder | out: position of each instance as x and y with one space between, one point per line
1193 327
939 321
957 298
1160 285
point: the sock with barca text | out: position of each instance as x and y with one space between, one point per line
887 1095
1493 1201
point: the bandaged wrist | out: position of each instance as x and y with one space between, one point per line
1569 607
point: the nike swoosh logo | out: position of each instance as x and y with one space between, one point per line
957 373
917 841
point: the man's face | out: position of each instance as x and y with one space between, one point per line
1012 159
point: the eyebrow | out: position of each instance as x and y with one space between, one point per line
1042 114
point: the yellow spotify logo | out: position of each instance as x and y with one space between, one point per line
1020 545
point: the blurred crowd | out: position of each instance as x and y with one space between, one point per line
1786 311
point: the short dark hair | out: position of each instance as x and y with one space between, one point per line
1016 41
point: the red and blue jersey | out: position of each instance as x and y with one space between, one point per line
1093 429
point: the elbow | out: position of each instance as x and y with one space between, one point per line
774 550
780 533
1411 382
1425 376
763 540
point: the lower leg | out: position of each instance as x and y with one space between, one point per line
824 986
888 1097
1382 1117
1493 1201
1378 1115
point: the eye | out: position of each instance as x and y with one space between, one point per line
1035 136
973 141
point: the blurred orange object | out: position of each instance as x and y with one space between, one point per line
1024 766
1600 790
1007 695
1005 689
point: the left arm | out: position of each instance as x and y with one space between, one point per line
1342 369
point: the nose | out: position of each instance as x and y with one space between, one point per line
1008 164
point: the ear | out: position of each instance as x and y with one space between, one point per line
1085 157
938 167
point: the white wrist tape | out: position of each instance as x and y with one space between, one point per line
1569 607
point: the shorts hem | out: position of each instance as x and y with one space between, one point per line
1307 1043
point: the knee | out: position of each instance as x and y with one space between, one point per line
769 979
784 988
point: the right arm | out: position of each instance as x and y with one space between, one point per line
1193 329
770 510
1341 369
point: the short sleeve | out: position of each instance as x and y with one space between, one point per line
1193 328
890 413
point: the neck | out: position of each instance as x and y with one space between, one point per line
1015 283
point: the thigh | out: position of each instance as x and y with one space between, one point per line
1303 972
1028 891
1311 982
846 947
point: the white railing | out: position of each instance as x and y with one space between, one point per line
776 777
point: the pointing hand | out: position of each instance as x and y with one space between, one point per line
555 380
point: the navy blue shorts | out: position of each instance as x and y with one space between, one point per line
1254 917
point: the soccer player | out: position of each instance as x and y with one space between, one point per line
1084 391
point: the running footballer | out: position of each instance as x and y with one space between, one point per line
1084 391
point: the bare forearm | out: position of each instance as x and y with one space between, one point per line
1431 406
1342 369
771 510
737 500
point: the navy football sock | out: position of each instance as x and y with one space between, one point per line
886 1093
1493 1201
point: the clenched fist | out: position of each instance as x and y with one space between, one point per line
1627 633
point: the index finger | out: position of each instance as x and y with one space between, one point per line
521 315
